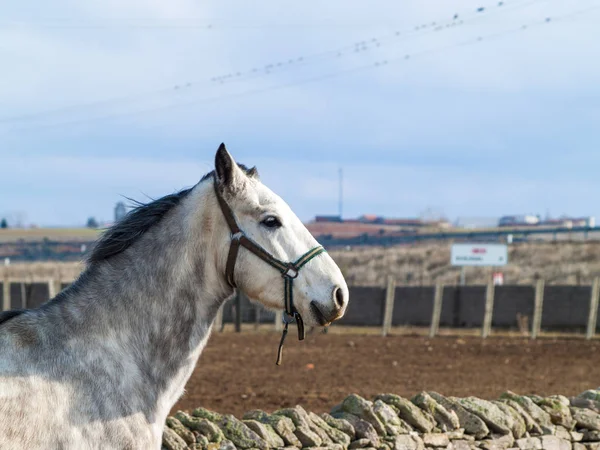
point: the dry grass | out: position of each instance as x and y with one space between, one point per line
43 270
558 263
53 234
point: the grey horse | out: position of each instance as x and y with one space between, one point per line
100 365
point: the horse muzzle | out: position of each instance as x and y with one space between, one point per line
325 316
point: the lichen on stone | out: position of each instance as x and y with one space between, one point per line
239 434
266 432
408 411
181 430
340 424
206 414
336 436
472 424
447 420
513 421
203 426
360 407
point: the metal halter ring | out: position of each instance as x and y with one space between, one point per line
291 272
288 318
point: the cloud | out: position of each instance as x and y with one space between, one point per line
482 129
105 63
78 187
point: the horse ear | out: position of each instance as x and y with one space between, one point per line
253 173
225 167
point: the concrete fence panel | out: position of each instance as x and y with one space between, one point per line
564 307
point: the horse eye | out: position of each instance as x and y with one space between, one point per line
271 222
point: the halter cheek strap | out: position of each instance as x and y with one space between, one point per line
289 270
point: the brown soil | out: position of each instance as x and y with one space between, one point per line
237 372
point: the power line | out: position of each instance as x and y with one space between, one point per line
341 192
191 24
208 26
373 43
196 23
264 70
378 64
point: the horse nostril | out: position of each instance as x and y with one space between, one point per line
339 297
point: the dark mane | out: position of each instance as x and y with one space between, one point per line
138 221
5 316
130 228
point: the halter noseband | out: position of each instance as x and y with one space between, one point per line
289 270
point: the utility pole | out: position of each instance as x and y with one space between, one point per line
341 193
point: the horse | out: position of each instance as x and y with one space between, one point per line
102 364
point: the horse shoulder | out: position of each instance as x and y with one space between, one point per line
21 333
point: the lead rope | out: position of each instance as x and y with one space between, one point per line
290 312
280 350
300 325
289 317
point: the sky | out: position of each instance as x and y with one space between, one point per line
426 105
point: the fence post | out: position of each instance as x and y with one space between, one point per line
437 309
23 295
489 310
57 286
5 292
593 314
538 306
219 318
256 317
278 320
238 312
51 289
389 305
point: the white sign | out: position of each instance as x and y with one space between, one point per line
479 255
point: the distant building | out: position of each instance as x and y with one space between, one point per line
120 211
561 222
443 223
404 222
565 223
474 222
583 221
328 219
370 218
519 221
390 224
570 222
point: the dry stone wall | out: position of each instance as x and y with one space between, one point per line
389 422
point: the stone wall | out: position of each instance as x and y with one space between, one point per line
389 422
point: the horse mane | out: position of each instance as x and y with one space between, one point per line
134 225
5 316
138 221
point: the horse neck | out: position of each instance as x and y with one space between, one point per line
156 302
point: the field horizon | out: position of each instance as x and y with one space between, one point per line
558 262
